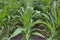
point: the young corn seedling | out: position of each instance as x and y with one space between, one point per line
28 23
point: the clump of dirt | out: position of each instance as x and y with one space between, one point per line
37 38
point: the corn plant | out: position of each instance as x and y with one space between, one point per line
28 23
13 12
5 19
49 13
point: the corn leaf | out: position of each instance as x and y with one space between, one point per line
38 34
16 32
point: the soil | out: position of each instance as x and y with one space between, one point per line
19 37
33 37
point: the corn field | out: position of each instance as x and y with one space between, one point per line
29 19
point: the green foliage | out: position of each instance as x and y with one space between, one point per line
17 16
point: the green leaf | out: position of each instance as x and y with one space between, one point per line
38 34
46 16
16 32
37 29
